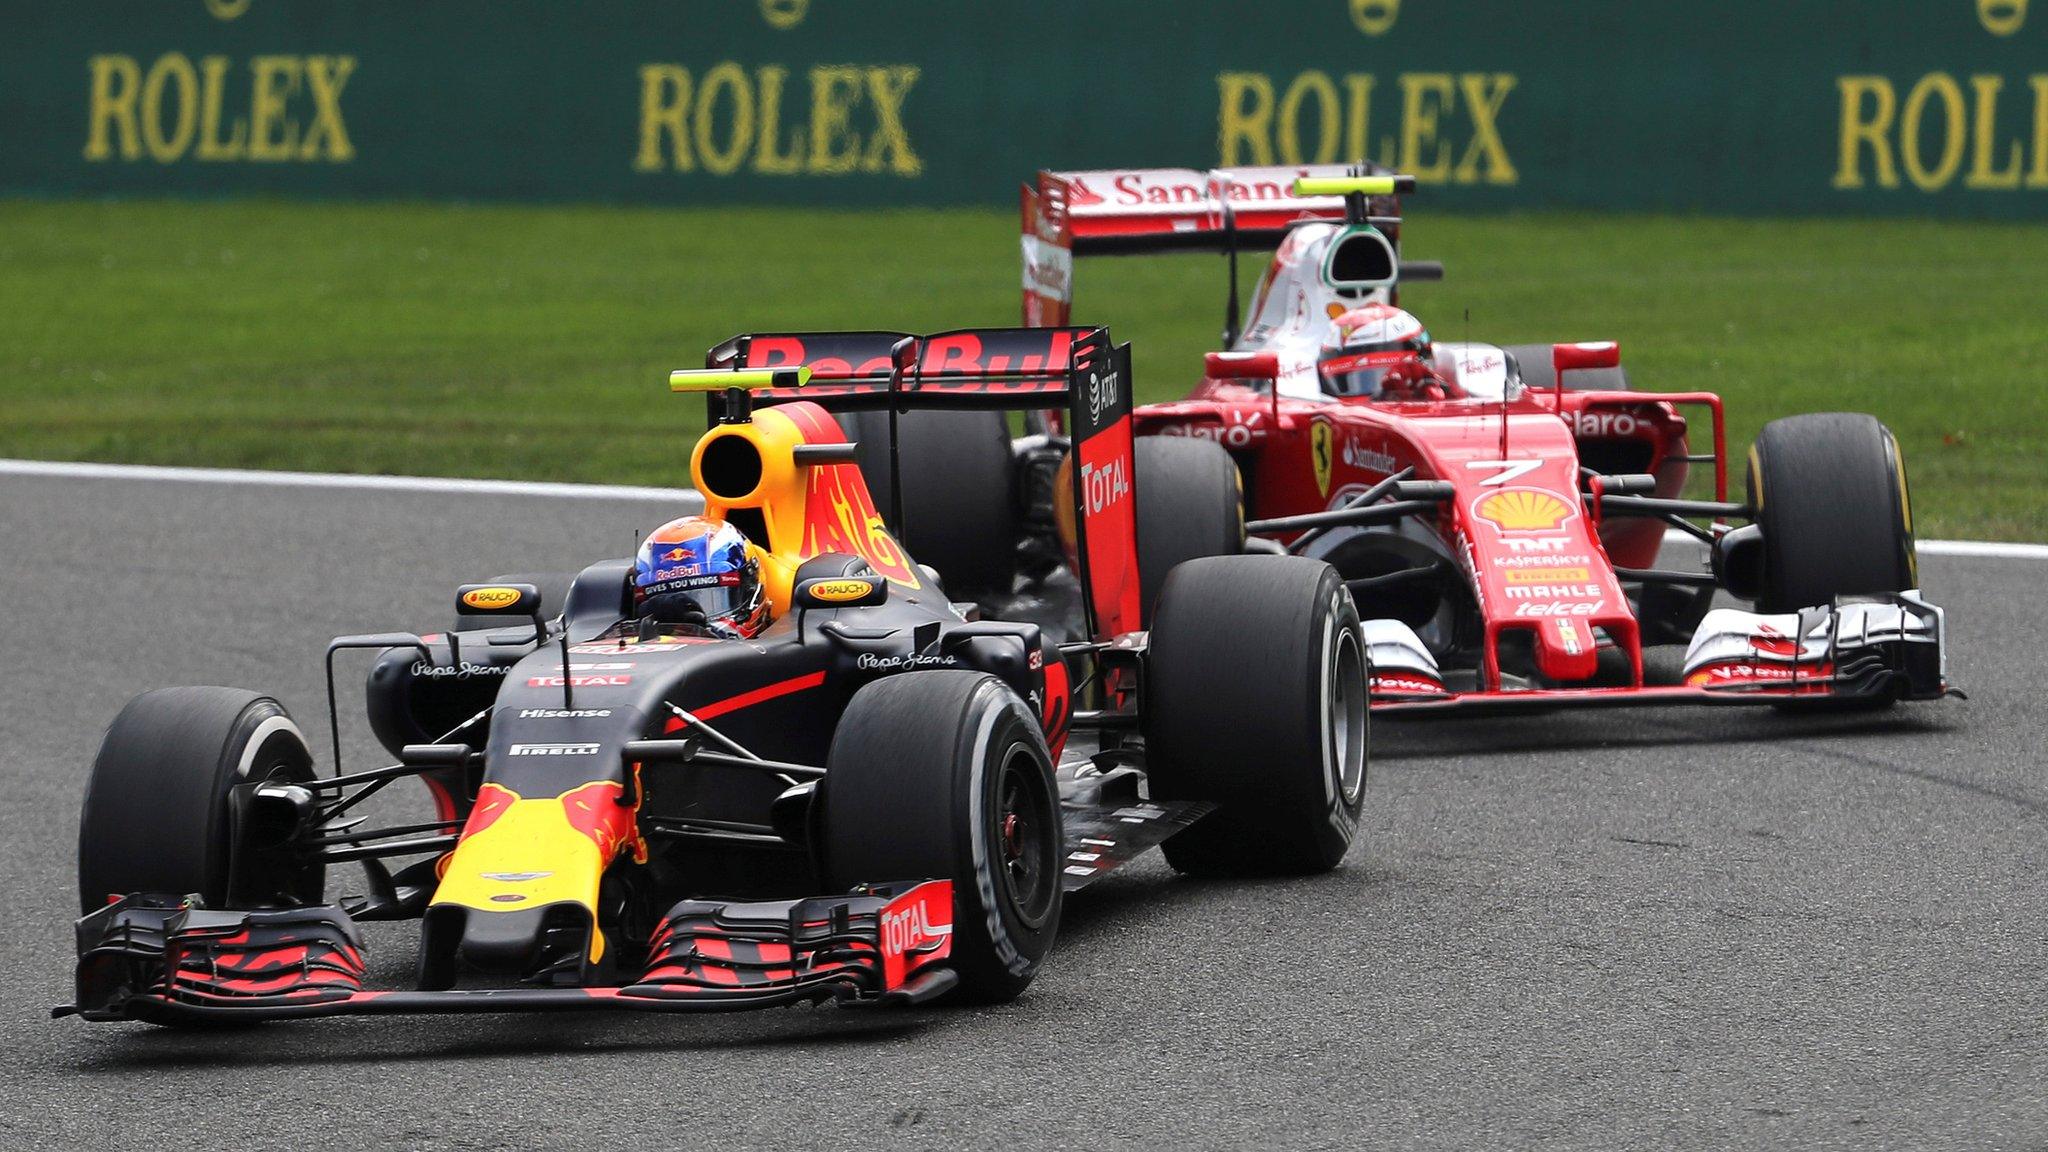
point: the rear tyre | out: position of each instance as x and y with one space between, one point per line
959 492
1274 731
1190 504
944 775
554 598
1829 491
156 815
1538 372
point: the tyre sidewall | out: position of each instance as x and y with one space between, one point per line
156 813
1001 947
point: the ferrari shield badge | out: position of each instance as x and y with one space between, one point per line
1319 453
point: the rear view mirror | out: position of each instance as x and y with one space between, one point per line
1241 365
1596 354
841 592
497 600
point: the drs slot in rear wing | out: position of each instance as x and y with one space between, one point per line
1078 370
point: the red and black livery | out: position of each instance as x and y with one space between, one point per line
881 798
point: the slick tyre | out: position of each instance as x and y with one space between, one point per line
1255 700
1537 370
1829 492
1190 504
1830 496
554 596
157 805
959 493
944 775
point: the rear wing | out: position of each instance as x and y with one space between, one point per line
1026 369
1145 210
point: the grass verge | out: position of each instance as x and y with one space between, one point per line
532 342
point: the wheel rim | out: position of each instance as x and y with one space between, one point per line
270 875
1344 715
1026 837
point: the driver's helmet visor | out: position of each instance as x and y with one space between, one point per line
1361 373
719 595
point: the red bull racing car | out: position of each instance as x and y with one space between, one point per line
1498 512
880 798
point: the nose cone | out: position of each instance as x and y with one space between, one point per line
525 866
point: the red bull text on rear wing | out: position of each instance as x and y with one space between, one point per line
1077 371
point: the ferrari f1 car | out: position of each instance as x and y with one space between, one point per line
882 798
1498 512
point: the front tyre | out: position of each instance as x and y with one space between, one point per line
1829 493
944 775
1255 700
1190 505
157 806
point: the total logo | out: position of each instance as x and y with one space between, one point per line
579 681
564 713
554 749
1104 391
1608 424
1101 487
909 931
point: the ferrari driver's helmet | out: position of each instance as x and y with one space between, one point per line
699 571
1368 345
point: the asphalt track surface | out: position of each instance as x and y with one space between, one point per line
1663 927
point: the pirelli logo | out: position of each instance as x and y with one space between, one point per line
1548 575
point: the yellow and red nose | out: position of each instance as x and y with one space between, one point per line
518 854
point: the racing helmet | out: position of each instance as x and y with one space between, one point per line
1371 347
701 572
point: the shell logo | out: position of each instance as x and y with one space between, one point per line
1523 510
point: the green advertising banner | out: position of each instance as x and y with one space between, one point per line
1782 106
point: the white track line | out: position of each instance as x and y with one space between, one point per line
82 471
147 472
1996 549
